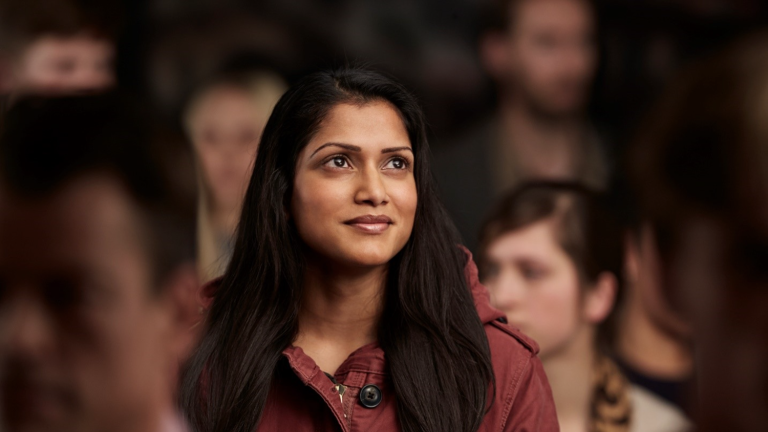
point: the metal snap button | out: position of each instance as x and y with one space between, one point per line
370 396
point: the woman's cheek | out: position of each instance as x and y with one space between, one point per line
556 312
317 201
405 198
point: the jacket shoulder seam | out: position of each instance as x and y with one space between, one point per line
523 340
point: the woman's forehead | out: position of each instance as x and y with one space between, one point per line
377 124
534 240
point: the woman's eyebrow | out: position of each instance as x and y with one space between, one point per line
349 147
394 149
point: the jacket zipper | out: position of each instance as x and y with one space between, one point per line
341 389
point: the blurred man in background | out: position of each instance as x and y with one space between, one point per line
54 46
542 56
97 276
701 167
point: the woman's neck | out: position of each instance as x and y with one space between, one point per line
340 312
571 373
224 220
156 413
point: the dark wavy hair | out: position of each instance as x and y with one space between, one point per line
431 333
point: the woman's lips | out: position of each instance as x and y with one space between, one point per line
370 224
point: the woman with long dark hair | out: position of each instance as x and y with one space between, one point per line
348 304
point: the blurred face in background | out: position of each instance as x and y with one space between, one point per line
225 126
86 343
536 284
547 56
64 64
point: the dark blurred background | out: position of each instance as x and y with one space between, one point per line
168 45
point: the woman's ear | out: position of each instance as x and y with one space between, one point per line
600 298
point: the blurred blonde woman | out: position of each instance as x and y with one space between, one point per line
224 120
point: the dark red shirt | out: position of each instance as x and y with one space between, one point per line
304 399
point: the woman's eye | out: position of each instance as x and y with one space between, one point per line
338 162
531 273
65 66
397 163
209 137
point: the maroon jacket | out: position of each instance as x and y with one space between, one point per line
304 399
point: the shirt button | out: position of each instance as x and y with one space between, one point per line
370 396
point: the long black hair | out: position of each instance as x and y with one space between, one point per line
431 333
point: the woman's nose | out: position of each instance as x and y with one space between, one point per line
508 293
371 189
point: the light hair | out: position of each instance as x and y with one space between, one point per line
264 90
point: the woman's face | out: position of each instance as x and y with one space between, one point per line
354 195
225 127
535 283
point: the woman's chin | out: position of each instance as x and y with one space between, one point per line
354 253
370 260
368 257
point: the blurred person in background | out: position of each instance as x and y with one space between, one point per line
542 56
224 120
700 166
97 278
55 46
653 346
551 256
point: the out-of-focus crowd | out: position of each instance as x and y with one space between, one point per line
605 162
